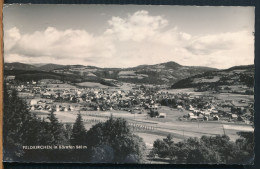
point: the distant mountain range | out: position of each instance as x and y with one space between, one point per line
28 67
164 73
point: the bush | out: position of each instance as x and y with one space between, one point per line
116 134
207 149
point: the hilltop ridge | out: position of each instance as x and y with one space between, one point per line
162 74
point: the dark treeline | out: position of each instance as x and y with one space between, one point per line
108 142
207 149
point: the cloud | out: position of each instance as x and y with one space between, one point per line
60 45
223 50
205 45
140 38
136 27
11 37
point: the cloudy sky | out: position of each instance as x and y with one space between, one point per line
129 35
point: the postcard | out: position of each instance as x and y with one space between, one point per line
120 84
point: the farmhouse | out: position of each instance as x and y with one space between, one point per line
191 116
234 116
205 113
33 102
179 107
225 109
162 115
9 78
216 118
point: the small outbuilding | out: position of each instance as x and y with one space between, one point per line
162 115
33 102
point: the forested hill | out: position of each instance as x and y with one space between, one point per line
29 67
234 76
163 73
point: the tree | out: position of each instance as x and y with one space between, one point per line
160 148
207 149
33 132
203 155
55 131
153 113
248 140
17 119
84 96
68 131
78 136
169 139
102 154
246 146
115 133
21 128
226 149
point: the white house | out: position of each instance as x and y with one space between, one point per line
33 102
162 115
10 78
192 116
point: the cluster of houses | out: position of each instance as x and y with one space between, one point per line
138 100
47 105
227 110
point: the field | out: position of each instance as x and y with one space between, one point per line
229 96
220 96
161 127
61 86
175 91
92 85
25 95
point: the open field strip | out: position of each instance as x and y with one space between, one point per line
179 129
239 127
92 85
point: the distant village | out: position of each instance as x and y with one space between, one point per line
139 99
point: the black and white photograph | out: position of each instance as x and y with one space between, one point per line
123 84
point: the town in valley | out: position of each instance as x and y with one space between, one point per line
212 102
143 84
